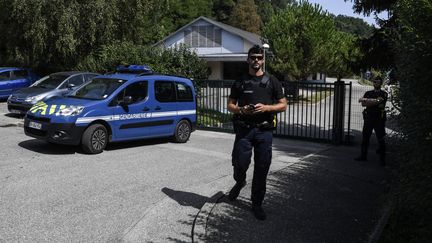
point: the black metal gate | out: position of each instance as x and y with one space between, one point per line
317 111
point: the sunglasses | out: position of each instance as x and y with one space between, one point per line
256 57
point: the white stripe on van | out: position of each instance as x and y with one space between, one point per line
86 120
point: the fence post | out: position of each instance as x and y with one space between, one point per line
338 112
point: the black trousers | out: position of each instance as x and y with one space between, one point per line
377 125
261 143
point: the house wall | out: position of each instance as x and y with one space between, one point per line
224 60
230 43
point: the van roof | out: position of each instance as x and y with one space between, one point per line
130 76
11 68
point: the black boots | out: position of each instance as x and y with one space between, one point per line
256 209
235 191
258 212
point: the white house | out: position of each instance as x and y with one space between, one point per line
223 47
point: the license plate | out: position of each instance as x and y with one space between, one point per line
16 111
35 125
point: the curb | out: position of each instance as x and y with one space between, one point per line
199 226
383 220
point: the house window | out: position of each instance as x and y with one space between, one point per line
203 36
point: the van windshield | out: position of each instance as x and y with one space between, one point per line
97 89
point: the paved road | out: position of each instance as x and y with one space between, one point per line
131 191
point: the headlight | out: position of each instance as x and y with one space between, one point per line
71 111
34 99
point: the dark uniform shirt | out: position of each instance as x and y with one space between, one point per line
377 111
250 90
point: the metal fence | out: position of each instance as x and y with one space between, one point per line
316 111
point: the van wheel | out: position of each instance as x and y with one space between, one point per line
94 139
182 132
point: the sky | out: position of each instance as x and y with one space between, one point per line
337 7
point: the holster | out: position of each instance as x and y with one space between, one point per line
265 125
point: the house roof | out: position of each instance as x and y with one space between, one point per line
251 37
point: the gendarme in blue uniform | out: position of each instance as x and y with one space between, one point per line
374 119
251 134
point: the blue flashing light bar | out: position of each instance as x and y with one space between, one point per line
133 68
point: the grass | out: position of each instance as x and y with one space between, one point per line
314 98
209 117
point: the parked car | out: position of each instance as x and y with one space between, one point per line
133 103
14 78
56 84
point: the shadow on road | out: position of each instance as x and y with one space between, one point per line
13 115
137 143
189 198
43 147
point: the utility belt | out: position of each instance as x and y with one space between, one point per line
374 114
269 124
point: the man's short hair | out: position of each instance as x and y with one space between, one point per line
378 78
256 49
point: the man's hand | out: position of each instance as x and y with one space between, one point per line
280 106
259 108
370 102
247 110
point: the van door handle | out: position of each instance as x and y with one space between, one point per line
157 108
146 109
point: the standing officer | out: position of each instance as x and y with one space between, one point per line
254 100
374 117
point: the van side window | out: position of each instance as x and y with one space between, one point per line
76 80
88 77
20 74
138 91
184 92
164 91
4 75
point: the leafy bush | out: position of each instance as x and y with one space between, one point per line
412 217
177 61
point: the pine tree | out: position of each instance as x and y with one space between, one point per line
245 16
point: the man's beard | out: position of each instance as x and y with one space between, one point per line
255 66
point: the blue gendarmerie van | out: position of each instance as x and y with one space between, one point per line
132 103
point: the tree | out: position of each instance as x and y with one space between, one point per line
408 39
344 57
222 9
355 26
301 40
267 8
181 12
371 6
245 16
411 221
55 35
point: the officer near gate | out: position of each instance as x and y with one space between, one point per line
374 117
254 100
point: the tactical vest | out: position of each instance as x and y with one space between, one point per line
253 92
376 111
